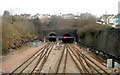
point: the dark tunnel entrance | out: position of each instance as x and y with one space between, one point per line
52 37
67 38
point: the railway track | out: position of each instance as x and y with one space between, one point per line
42 60
68 59
87 64
34 59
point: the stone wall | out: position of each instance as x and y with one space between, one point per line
59 32
105 40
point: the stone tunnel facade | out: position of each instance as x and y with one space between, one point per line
59 33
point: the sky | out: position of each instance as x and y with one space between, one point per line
95 7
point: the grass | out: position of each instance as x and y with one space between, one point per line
16 31
118 25
92 28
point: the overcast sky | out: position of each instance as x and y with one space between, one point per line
95 7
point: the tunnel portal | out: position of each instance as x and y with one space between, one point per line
67 38
52 37
64 35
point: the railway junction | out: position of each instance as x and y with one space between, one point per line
64 58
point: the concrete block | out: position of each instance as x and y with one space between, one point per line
109 63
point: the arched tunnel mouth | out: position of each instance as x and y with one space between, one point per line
67 38
52 37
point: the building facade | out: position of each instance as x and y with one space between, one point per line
111 20
119 11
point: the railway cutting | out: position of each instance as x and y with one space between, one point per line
61 58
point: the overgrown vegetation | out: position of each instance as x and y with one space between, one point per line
57 22
118 25
17 30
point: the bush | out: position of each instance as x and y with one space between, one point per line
17 30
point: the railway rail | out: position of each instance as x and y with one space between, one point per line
70 57
36 58
87 65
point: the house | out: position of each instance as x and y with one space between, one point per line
45 16
111 20
68 16
25 16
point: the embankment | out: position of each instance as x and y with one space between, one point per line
18 30
107 40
